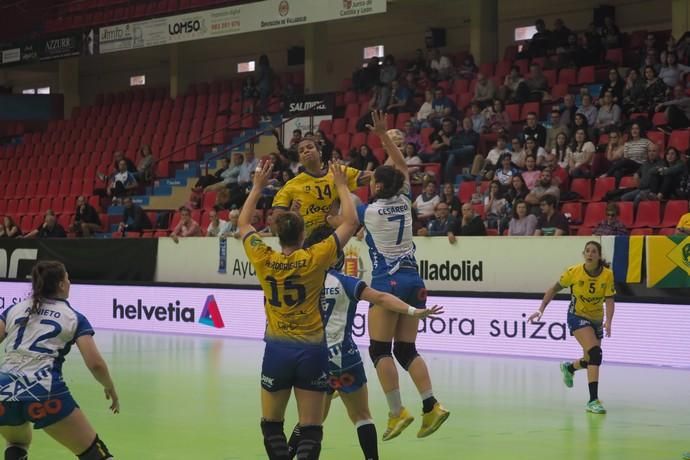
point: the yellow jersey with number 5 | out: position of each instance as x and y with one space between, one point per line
312 196
588 292
292 287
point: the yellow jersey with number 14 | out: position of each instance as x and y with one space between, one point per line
588 292
292 287
312 196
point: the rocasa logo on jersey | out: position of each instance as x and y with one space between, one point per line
210 315
173 312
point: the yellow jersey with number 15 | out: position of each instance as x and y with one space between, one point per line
313 196
292 287
588 292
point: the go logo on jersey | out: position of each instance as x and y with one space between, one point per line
40 410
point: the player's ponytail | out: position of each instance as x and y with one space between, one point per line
391 180
45 283
602 262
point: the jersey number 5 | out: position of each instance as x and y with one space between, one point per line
293 293
592 287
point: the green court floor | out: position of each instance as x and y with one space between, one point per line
198 398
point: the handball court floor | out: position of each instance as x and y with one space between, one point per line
186 397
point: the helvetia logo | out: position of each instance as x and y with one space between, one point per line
210 315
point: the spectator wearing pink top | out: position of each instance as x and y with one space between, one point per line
531 174
186 226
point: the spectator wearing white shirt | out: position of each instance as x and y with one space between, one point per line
427 108
609 115
440 65
230 177
672 73
217 226
531 149
122 182
634 154
588 109
426 202
486 167
581 155
247 168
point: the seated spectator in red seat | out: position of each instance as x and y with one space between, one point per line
668 177
441 67
534 129
559 36
119 156
230 176
683 225
671 72
506 171
440 225
10 229
541 41
555 129
186 227
232 230
249 90
478 119
611 225
634 154
363 159
412 160
426 202
508 91
412 136
470 224
610 34
653 93
531 174
400 99
495 206
614 152
86 220
580 122
633 90
422 117
581 155
441 141
122 182
418 64
216 177
145 173
365 78
551 222
450 198
468 69
250 162
647 178
50 228
560 152
295 139
319 137
216 225
609 115
534 88
486 167
568 111
134 219
588 109
463 147
517 190
497 118
544 187
443 107
484 91
616 85
523 223
677 110
531 149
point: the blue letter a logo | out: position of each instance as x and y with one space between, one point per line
210 315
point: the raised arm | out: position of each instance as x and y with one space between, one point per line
261 176
350 222
380 129
396 305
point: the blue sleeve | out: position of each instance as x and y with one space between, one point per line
353 286
361 210
83 326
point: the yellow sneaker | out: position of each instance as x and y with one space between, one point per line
432 421
396 425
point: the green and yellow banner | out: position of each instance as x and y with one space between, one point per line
668 261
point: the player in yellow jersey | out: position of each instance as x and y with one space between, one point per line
591 286
296 355
312 192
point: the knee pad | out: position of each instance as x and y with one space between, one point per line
274 440
595 355
97 451
405 353
378 350
309 446
16 453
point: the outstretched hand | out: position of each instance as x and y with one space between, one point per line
338 170
262 174
380 126
433 311
111 395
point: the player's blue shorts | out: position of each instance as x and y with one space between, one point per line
288 365
41 413
348 380
405 284
576 322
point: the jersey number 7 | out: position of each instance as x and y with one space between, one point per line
401 218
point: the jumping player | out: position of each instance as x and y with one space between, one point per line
341 293
312 193
591 285
388 222
39 332
292 279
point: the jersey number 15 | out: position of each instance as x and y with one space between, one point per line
293 293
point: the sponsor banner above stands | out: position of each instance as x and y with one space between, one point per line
59 47
231 20
11 55
310 105
469 325
484 264
85 259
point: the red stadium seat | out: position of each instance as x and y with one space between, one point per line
614 56
513 111
658 138
626 210
567 77
527 108
642 231
594 214
673 212
584 231
679 140
602 186
648 214
667 231
628 182
575 211
583 187
467 188
339 126
585 75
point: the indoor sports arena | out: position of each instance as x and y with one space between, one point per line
345 229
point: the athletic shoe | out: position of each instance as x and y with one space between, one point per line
595 407
396 425
567 375
432 421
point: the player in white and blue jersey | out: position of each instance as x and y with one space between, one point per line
388 223
346 375
38 334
